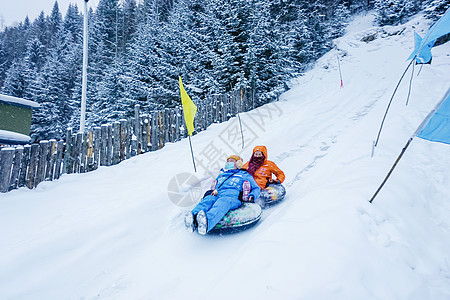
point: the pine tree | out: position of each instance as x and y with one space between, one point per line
54 22
393 12
339 21
40 31
15 82
128 24
434 9
14 45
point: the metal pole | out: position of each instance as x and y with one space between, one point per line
340 73
390 101
192 153
85 63
392 169
240 123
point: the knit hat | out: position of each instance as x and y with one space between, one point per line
238 159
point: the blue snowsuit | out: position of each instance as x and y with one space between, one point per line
228 185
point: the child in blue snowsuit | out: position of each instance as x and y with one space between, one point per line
224 197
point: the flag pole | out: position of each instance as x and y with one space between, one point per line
189 111
85 63
417 132
192 153
392 169
340 73
240 123
390 102
410 85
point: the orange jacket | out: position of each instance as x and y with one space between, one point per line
264 173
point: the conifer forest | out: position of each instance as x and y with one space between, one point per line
137 50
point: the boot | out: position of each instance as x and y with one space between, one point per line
202 222
190 222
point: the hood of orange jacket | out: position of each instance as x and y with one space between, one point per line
263 149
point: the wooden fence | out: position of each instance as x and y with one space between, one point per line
109 144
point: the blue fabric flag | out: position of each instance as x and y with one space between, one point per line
438 127
424 56
440 28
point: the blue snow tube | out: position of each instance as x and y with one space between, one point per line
239 219
273 194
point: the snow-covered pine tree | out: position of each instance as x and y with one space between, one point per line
127 24
338 20
15 79
54 22
54 86
392 12
434 9
14 45
21 74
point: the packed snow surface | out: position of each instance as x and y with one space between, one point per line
115 234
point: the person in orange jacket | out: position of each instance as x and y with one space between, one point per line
262 169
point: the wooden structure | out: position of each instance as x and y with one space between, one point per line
15 119
109 144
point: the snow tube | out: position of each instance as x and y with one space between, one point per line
239 219
271 195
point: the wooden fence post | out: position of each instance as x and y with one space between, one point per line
154 130
14 181
24 165
160 130
197 119
211 110
128 145
116 143
77 151
234 103
143 133
103 144
216 102
68 162
58 161
90 151
134 139
42 162
123 139
6 160
97 146
148 133
177 123
109 146
137 127
173 120
83 152
50 160
242 107
33 165
166 124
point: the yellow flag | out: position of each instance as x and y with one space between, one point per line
189 108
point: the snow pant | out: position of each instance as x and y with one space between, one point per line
216 207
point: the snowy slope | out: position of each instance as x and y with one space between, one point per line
114 233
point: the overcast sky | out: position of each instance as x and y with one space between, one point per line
15 11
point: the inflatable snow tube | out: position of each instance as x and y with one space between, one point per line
271 195
239 219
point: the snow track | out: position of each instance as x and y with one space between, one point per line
114 233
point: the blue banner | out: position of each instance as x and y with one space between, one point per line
438 127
